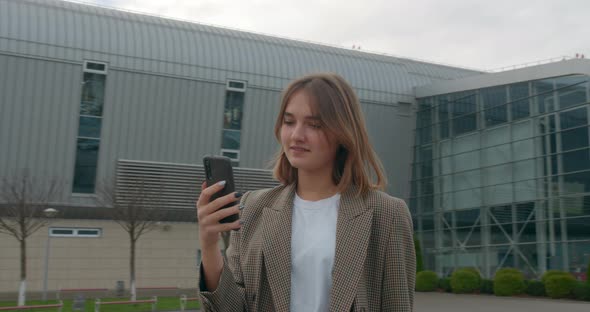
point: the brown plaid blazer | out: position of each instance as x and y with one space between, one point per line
374 266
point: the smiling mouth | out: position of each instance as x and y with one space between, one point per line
298 149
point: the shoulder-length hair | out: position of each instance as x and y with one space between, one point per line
338 108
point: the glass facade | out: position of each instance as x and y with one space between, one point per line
89 127
501 177
233 113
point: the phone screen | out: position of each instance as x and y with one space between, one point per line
218 168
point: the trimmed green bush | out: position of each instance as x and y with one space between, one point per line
560 285
426 281
582 291
464 282
552 273
535 288
509 284
445 284
474 271
509 271
487 287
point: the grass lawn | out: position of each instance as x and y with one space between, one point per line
164 304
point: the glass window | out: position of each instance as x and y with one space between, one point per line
426 161
233 111
92 94
576 160
576 182
61 232
74 232
501 214
466 218
85 168
89 127
543 91
234 155
464 124
519 97
443 117
424 122
501 234
571 90
574 138
578 229
524 210
427 222
231 139
88 232
463 106
573 118
96 66
494 104
427 202
579 257
575 206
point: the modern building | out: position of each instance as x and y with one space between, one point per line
501 171
91 94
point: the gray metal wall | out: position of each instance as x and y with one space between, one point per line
165 89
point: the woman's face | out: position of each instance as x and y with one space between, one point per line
303 138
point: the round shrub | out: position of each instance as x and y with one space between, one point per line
445 284
550 273
464 282
426 281
509 271
474 271
582 291
560 286
487 287
535 288
509 284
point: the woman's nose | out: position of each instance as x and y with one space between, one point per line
298 133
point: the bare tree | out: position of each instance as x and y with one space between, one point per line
23 200
137 208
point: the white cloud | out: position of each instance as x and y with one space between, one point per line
479 34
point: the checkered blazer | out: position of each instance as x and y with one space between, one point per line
374 265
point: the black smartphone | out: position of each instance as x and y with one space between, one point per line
218 168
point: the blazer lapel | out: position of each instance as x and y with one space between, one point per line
276 247
352 240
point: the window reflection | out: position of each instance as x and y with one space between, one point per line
89 127
571 90
92 94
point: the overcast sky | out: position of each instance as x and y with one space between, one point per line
479 34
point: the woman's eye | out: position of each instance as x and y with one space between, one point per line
316 125
288 122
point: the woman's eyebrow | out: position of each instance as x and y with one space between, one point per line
287 114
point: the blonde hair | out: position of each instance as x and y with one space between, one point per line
338 107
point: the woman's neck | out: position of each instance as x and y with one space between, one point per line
315 187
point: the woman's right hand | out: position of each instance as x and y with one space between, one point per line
209 214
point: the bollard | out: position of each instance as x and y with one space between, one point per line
154 304
182 303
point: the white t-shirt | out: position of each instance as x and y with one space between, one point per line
313 246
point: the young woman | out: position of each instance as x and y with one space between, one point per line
326 239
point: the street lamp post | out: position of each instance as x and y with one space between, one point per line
49 213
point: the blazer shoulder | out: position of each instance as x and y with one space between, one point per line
388 206
263 197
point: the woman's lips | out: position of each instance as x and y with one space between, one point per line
298 149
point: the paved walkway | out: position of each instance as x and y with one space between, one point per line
444 302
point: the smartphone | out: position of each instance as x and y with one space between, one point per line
218 168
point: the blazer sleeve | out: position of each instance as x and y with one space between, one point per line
400 269
230 293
